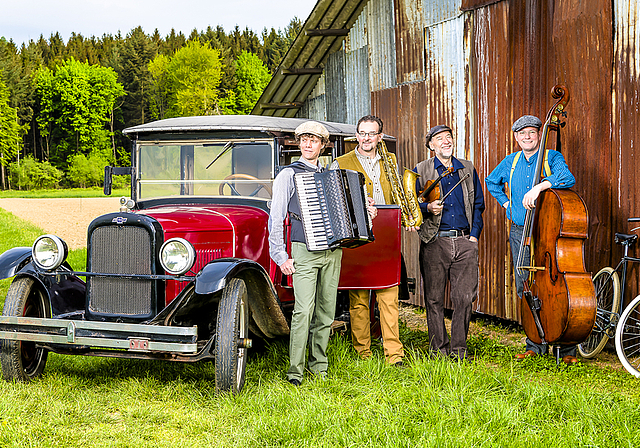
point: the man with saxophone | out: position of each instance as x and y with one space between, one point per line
367 160
449 241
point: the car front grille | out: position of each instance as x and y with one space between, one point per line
120 250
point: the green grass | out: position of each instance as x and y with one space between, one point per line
94 192
489 401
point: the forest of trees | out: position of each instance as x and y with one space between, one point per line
63 106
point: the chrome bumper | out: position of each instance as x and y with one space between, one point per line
110 335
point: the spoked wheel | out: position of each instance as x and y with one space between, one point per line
628 338
232 337
23 360
607 286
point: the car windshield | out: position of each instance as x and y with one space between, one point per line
210 168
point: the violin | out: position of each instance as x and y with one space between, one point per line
432 188
434 194
559 299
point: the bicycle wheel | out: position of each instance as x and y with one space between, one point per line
628 338
607 285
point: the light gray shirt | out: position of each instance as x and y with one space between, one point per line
282 191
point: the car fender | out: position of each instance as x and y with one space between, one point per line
13 260
66 292
264 306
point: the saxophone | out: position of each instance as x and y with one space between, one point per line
404 194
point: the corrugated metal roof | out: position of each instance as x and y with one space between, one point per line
290 87
234 123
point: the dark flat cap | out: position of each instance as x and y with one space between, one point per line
526 121
436 130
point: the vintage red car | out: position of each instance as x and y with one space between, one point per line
182 272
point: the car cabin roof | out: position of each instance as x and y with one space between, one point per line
234 123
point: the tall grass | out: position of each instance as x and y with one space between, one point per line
488 401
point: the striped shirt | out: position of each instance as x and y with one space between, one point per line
522 180
372 169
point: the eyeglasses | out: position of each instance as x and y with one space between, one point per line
369 134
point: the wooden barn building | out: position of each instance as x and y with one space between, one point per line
477 65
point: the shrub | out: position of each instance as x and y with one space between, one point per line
29 174
87 171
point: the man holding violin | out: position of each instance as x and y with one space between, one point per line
449 240
517 170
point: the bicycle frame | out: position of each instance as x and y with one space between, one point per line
622 267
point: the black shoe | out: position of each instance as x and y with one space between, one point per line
399 365
294 382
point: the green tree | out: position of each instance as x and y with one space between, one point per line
193 76
10 129
138 49
158 91
252 77
76 108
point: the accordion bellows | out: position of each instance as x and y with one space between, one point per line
333 205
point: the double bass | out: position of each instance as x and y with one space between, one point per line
559 301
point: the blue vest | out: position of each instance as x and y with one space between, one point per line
297 232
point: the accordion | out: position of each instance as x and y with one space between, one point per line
333 208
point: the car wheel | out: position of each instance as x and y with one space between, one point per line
23 360
231 337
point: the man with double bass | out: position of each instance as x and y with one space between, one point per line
517 171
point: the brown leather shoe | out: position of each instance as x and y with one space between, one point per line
570 360
527 354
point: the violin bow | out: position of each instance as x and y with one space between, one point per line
454 187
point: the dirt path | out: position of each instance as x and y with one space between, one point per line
67 218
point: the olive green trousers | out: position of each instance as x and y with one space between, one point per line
315 286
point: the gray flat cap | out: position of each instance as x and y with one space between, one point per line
436 130
526 121
313 128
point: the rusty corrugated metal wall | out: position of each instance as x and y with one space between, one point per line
623 184
480 64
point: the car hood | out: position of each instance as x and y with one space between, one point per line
189 218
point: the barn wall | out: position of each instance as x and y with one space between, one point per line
477 65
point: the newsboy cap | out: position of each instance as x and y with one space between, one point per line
313 128
436 130
526 121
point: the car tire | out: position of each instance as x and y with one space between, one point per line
231 332
23 360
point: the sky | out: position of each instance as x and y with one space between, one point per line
97 17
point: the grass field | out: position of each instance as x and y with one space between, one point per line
94 192
489 401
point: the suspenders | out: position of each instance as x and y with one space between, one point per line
546 168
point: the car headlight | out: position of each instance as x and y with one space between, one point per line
49 252
177 256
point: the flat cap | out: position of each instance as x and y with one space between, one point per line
436 130
313 128
526 121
